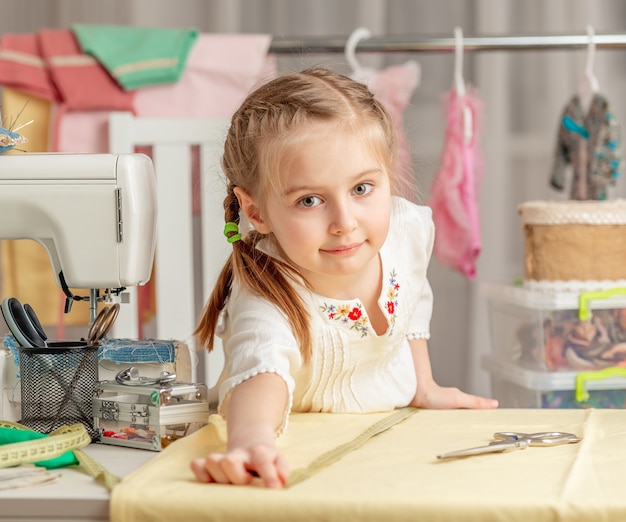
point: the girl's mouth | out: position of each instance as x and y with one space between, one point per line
343 249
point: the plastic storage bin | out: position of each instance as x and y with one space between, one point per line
517 387
557 331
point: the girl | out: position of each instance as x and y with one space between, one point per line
324 304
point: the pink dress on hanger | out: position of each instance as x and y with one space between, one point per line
453 197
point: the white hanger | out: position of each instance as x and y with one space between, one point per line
359 73
459 83
589 83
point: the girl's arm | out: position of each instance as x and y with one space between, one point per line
255 408
430 395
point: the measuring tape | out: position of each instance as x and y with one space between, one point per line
64 439
332 456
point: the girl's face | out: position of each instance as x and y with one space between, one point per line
330 213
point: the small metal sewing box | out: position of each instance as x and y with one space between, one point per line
148 413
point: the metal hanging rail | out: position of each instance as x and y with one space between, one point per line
416 44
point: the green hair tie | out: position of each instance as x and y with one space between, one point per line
232 227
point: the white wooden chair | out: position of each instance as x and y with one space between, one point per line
187 263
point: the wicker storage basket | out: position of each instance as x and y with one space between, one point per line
574 240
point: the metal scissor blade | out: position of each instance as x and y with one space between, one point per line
494 447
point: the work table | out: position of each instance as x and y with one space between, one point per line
75 496
394 476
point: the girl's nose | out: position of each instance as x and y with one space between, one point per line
343 219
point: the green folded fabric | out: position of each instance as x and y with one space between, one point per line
137 56
11 435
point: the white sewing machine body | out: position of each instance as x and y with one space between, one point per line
95 214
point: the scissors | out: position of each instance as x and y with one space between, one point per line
102 324
513 440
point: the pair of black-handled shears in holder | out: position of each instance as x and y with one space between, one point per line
23 323
27 330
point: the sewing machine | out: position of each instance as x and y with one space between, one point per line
95 214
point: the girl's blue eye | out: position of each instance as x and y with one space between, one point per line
363 189
309 201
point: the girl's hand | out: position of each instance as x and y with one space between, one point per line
431 395
253 411
241 466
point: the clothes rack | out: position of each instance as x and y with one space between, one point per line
417 44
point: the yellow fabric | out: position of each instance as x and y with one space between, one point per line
26 270
396 476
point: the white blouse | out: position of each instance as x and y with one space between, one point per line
352 368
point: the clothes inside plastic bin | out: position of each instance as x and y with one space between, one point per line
547 330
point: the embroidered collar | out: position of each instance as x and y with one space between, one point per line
352 313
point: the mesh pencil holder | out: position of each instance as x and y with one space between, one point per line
58 385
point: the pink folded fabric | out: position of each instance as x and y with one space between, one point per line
22 67
83 131
221 70
83 83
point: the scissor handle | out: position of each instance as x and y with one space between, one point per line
544 438
102 323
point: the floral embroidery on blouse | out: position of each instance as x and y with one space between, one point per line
348 314
354 315
392 299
